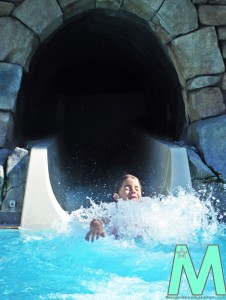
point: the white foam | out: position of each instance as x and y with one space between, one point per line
159 220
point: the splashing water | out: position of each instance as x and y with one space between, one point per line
60 264
158 220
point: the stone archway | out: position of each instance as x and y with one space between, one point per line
26 25
31 23
80 57
102 75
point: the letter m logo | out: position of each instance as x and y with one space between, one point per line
182 262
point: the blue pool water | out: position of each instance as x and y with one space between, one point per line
59 264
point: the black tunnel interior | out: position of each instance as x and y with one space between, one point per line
94 82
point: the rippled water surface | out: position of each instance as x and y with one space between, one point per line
59 264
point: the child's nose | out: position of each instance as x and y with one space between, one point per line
133 190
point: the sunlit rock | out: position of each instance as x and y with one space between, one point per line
204 103
208 59
43 16
18 43
212 15
202 81
143 8
177 19
197 168
208 137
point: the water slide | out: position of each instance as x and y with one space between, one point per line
166 166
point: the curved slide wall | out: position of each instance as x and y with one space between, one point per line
166 169
41 208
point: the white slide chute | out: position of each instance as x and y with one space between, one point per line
166 169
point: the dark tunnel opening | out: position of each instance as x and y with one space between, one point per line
98 79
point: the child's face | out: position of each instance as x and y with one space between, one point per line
130 189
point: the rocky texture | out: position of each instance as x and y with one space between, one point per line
224 82
16 2
111 4
43 16
10 218
199 1
74 7
224 49
205 103
142 8
157 28
208 137
197 168
202 81
212 15
6 8
217 1
6 128
16 172
4 153
17 42
179 19
208 59
222 33
10 80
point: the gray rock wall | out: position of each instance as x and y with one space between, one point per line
193 33
15 179
209 138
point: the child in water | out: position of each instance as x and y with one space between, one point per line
128 187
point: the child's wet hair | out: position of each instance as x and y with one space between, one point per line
119 183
